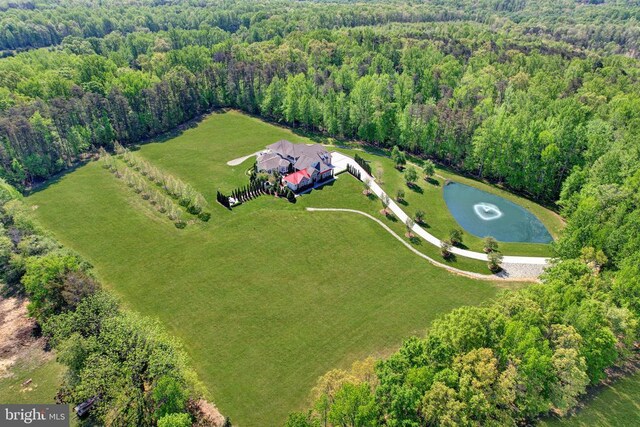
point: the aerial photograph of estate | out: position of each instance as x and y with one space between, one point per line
320 213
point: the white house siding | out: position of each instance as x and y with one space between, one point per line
292 186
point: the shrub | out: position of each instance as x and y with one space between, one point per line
445 249
409 223
428 168
494 261
204 216
291 197
410 175
384 199
180 224
175 420
455 236
398 157
490 244
193 210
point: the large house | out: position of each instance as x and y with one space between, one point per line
302 165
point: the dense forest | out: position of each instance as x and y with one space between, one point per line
542 97
482 93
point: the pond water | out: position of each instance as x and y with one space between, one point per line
484 214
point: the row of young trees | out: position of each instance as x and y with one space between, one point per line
362 163
257 188
355 172
160 201
186 196
92 336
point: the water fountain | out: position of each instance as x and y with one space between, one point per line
485 214
487 211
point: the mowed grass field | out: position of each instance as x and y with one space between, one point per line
616 405
267 297
45 375
428 197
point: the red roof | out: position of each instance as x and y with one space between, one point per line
296 177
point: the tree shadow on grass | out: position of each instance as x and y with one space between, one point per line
54 179
415 188
328 184
402 202
313 136
391 217
461 246
415 240
433 182
423 224
375 151
450 259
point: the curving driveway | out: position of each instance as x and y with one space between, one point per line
239 160
341 161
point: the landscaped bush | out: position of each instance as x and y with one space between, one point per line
489 244
363 164
494 261
291 197
353 171
445 249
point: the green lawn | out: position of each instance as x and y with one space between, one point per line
428 197
267 297
617 405
46 376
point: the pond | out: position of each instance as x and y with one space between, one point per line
484 214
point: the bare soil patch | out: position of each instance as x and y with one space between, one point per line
18 338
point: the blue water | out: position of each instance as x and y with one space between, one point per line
484 214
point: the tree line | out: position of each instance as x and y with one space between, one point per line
515 111
528 353
135 373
